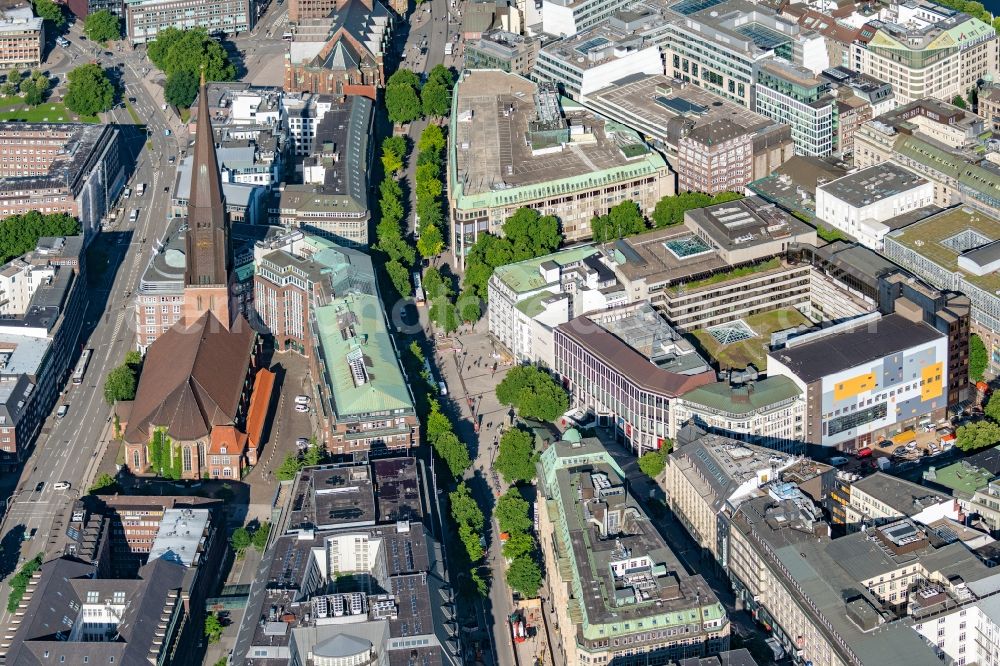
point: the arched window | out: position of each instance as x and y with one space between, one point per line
187 458
135 460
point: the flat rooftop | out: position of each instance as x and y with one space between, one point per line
666 108
180 536
737 225
594 47
942 238
647 332
904 496
398 496
867 342
742 26
496 126
648 256
873 184
72 162
962 477
333 496
744 399
525 276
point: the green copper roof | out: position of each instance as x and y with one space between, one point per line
532 306
525 275
384 390
743 400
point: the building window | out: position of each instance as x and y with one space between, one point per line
135 459
187 459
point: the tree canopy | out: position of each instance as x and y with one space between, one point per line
516 459
533 393
289 467
524 576
624 219
89 91
670 210
20 233
102 26
189 50
181 88
977 435
213 628
402 96
469 519
652 463
119 385
50 11
512 512
518 544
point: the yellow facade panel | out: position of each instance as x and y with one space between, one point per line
931 385
853 386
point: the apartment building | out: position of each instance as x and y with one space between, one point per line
925 50
881 498
722 44
940 142
590 60
618 592
715 144
332 199
70 168
867 379
952 251
329 292
340 52
709 474
989 107
503 50
22 37
145 18
866 203
561 161
793 95
622 383
769 412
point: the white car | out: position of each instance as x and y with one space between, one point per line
302 443
301 408
62 485
301 400
61 412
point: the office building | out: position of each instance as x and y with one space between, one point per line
39 330
940 142
564 18
870 203
352 576
321 300
558 159
70 168
22 37
332 199
881 498
715 144
340 52
627 389
503 50
590 60
708 473
793 95
145 18
867 379
925 50
76 611
951 251
80 8
527 299
722 45
851 600
619 593
768 412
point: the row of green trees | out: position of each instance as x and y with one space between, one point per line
245 537
389 234
32 86
315 454
181 55
626 218
20 233
533 393
123 380
526 235
470 521
406 99
978 358
520 549
19 583
446 444
429 187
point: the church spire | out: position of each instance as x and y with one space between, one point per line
208 256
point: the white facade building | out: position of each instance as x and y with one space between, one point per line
568 17
863 203
18 282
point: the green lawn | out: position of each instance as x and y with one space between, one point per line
52 112
754 350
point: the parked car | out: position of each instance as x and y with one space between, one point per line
301 400
301 408
837 461
61 412
302 443
865 452
28 536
